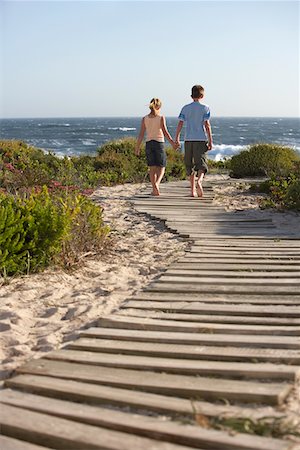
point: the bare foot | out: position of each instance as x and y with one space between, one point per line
199 189
193 194
156 192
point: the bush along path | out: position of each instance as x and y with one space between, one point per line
206 357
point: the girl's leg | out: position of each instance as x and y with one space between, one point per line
192 182
199 184
153 180
160 171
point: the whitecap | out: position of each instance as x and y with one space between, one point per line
223 151
122 128
88 141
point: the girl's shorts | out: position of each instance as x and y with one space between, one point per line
155 154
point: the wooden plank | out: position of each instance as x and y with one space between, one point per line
272 235
195 280
96 394
245 253
226 218
61 433
167 384
167 431
253 341
278 267
254 251
136 323
199 352
262 244
218 298
222 289
236 257
203 308
282 261
198 318
8 443
89 351
231 274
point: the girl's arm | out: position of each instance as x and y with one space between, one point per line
178 131
209 135
140 138
166 132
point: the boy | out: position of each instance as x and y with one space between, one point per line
198 138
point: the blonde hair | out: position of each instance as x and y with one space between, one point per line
154 105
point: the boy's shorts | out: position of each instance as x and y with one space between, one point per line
155 154
195 159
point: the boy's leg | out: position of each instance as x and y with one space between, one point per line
199 187
192 183
188 161
200 165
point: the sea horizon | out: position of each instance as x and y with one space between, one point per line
73 136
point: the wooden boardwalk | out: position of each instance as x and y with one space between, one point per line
216 336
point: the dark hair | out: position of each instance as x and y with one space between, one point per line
197 91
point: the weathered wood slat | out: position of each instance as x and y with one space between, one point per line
260 341
167 431
203 308
96 394
8 443
254 252
195 280
167 384
89 351
61 433
185 351
136 323
236 258
219 318
219 298
224 289
197 265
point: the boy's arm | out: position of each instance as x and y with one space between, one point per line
209 135
166 132
140 138
178 131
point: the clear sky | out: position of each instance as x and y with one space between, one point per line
109 58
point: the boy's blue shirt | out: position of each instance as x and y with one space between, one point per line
194 115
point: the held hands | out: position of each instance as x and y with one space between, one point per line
175 144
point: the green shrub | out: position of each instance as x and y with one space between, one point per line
31 231
39 227
263 160
291 199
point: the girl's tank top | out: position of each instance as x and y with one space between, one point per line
153 129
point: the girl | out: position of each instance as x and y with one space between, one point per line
155 127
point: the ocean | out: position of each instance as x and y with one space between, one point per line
77 136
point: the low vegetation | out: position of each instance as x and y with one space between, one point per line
263 160
46 216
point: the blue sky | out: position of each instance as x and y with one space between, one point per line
96 58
